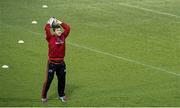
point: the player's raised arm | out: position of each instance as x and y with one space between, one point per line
65 26
48 28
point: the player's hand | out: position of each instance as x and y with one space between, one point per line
58 22
51 21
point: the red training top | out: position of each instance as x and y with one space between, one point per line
56 44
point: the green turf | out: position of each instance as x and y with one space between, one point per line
150 41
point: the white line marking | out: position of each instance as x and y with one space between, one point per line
123 58
149 10
111 55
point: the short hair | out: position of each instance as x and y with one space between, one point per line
56 26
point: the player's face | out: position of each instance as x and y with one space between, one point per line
58 32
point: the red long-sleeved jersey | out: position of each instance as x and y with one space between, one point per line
56 44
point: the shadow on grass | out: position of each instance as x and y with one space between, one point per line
69 91
33 101
15 101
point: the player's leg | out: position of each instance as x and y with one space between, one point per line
61 76
49 77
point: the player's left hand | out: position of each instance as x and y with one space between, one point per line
58 22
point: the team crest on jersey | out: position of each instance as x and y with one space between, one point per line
59 41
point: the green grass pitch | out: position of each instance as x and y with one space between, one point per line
119 52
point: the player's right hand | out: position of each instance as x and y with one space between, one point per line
51 21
